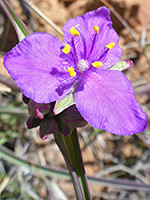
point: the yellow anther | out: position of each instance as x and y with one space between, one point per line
74 31
97 64
110 45
96 29
66 49
71 71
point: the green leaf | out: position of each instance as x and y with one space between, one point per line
21 29
122 65
64 103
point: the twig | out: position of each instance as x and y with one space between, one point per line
139 82
125 169
143 37
27 12
142 89
126 25
134 44
5 31
9 82
49 21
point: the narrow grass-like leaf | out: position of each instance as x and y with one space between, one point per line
13 111
20 28
123 184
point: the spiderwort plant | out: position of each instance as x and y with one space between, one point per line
47 70
86 65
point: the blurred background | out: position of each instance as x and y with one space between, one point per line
105 156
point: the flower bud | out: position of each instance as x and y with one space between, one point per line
47 126
25 99
73 118
38 110
33 122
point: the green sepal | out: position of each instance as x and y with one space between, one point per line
122 65
64 103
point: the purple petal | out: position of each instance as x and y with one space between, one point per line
106 101
38 69
95 43
101 53
86 23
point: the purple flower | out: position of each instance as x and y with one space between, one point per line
47 70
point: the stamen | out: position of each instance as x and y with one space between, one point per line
110 45
96 29
71 71
97 64
74 31
66 49
83 39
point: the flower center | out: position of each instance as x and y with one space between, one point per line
83 65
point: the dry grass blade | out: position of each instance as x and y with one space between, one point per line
9 82
49 21
143 37
113 183
7 179
134 45
126 25
125 169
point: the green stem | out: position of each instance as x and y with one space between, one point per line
69 146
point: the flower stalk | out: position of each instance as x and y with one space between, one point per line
70 149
